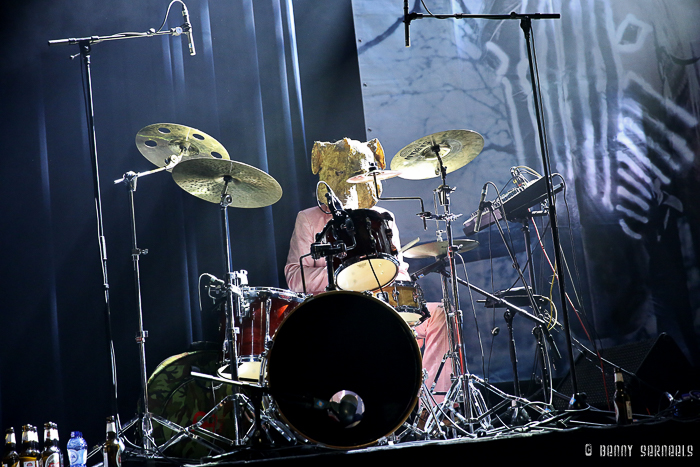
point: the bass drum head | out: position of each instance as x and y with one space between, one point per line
174 395
340 343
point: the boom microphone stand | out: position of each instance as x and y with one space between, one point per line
85 47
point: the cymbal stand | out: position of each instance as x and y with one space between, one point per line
516 400
233 305
457 348
144 418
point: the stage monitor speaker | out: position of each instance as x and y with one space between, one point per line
658 366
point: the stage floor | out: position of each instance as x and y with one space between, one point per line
581 438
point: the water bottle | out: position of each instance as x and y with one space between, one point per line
77 449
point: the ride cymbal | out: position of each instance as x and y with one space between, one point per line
248 186
161 141
419 160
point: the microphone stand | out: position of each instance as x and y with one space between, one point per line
578 400
85 49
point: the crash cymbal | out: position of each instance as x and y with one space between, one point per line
248 186
435 249
160 141
369 176
418 160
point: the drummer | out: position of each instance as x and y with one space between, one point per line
335 163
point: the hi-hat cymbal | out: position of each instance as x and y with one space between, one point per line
160 141
369 176
248 186
435 249
456 148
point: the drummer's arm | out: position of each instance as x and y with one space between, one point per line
314 271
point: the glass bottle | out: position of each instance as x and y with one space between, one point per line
51 456
623 403
113 447
10 457
30 455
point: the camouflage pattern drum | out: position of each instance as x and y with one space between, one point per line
174 395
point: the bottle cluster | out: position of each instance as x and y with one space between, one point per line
28 454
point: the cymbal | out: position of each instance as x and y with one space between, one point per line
434 249
418 160
249 187
369 176
160 141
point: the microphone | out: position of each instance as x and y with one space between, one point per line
437 265
406 23
333 202
480 212
215 281
187 28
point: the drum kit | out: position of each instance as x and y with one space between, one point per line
297 368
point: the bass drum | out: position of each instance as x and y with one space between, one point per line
174 395
338 345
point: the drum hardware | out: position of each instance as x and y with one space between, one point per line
229 183
430 156
162 154
144 418
186 404
375 174
516 410
179 400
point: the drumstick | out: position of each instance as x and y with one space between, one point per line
409 245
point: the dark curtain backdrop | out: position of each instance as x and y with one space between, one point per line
269 78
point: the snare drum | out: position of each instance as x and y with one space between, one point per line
263 312
344 348
371 260
407 298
